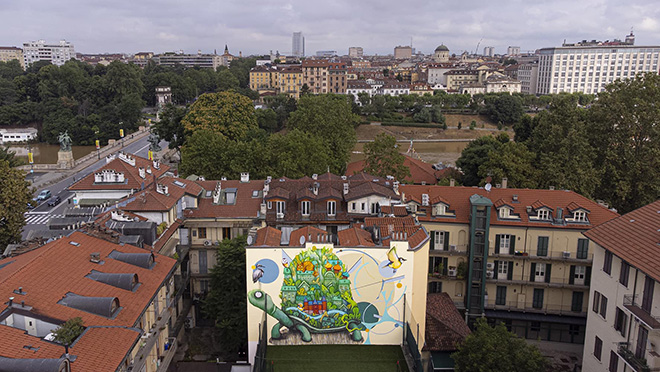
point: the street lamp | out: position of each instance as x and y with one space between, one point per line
98 145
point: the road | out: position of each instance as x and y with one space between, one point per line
37 218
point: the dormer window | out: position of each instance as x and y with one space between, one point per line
543 214
504 212
332 208
579 216
304 208
440 209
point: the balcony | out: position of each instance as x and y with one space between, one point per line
149 339
552 256
555 282
633 303
453 250
165 359
637 364
553 309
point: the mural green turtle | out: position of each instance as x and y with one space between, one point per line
316 297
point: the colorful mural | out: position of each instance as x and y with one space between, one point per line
315 297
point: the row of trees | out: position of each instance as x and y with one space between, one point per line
94 102
221 134
609 151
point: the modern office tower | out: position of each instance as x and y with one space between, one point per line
298 45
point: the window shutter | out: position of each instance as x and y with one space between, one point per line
432 240
532 272
510 273
587 276
496 271
446 247
512 245
548 268
571 278
497 244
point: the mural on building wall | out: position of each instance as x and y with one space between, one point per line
323 300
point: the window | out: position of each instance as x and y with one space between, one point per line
582 248
280 207
332 208
642 338
304 208
580 216
505 243
201 231
439 240
578 300
598 347
500 296
614 361
607 263
226 233
354 206
537 301
543 214
505 212
502 270
542 246
596 302
363 207
603 306
435 287
624 274
620 321
579 273
539 272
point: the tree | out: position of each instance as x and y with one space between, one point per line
494 349
624 131
329 117
384 159
523 129
267 119
228 113
511 160
15 194
297 154
226 300
475 154
69 331
10 157
504 108
170 128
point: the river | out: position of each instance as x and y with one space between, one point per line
47 154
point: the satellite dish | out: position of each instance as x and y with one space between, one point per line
302 239
488 187
249 240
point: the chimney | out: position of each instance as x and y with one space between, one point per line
216 193
95 257
452 182
504 182
345 188
11 301
142 173
551 188
245 177
315 176
559 214
263 208
395 187
315 188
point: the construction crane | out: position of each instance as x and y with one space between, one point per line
476 51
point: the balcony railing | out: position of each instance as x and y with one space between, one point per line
452 250
166 358
545 308
634 304
555 282
551 256
637 364
149 338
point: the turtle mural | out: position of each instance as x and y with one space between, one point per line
316 297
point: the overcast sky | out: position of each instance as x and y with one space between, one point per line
255 27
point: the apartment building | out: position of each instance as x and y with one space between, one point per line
298 44
587 67
403 52
122 293
290 80
56 54
190 60
514 255
264 78
624 314
12 53
337 79
355 52
528 75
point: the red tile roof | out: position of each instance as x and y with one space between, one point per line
311 234
13 342
633 237
396 210
246 206
131 174
458 199
355 237
152 200
420 171
445 327
50 272
268 237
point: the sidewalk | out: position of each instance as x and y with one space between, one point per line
55 176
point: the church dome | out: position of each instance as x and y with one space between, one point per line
442 48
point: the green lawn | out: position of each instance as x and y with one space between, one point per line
321 358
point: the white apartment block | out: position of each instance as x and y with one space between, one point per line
589 68
513 51
528 75
57 54
623 321
355 52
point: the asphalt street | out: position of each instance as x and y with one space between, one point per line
37 218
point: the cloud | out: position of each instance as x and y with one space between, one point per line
256 27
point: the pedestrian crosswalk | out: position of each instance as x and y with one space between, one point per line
40 219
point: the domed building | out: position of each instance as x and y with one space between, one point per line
441 54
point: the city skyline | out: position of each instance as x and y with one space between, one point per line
253 30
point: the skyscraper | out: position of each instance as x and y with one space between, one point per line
298 45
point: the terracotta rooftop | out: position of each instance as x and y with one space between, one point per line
420 171
246 205
131 174
458 200
396 210
311 234
268 237
445 327
50 273
355 237
634 237
163 196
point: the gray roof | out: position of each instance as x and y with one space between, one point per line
31 365
144 260
96 305
442 47
125 281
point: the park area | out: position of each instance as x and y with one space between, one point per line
321 358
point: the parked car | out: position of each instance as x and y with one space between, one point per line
31 204
54 201
45 194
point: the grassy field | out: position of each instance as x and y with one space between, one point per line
321 358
